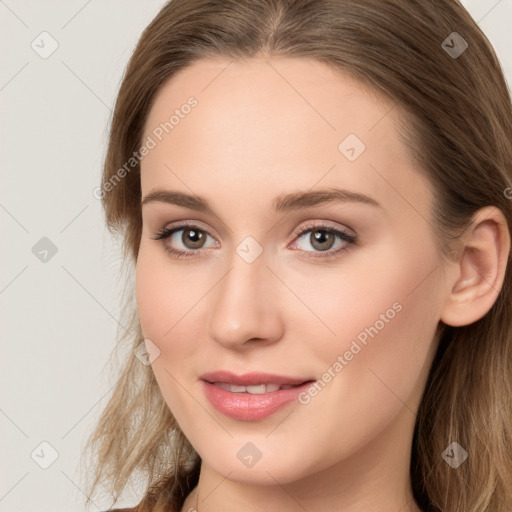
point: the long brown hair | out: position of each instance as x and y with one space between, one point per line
459 130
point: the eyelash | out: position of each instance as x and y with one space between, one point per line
165 233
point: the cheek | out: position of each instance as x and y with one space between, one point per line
384 315
161 298
374 286
169 297
150 293
374 366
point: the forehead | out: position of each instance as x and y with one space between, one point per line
294 98
269 125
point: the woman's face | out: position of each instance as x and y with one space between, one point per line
353 302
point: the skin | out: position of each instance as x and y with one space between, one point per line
268 127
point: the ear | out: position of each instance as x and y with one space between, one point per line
475 278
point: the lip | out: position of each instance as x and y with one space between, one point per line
246 406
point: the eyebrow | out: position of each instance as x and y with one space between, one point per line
281 204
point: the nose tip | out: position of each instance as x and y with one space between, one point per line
244 306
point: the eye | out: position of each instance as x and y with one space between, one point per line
325 240
185 240
184 244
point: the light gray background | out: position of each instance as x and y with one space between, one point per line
59 318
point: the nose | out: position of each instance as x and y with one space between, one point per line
245 305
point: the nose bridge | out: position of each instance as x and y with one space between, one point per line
244 304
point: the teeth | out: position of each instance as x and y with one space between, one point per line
253 390
257 390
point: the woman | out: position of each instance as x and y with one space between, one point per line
314 200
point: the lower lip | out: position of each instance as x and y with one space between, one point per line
248 407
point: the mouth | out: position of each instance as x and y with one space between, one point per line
254 396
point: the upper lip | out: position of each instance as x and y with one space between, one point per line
252 379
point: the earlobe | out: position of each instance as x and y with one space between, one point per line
478 273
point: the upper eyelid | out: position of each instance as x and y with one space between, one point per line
182 224
322 224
